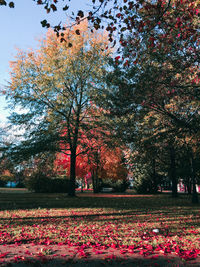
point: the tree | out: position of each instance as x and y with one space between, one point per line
101 160
135 17
159 69
155 112
54 86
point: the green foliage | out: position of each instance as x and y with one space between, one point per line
7 178
55 87
118 185
2 183
41 183
144 180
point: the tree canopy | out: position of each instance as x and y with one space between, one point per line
54 86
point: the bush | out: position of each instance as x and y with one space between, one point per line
119 186
7 178
144 181
20 185
145 186
2 183
40 183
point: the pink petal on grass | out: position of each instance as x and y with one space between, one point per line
3 255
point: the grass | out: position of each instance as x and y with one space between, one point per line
87 199
127 223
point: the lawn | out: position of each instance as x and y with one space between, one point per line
99 229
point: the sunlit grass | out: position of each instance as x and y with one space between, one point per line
148 224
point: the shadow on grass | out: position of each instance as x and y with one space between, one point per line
133 217
175 220
169 215
128 202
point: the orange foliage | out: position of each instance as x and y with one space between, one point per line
93 153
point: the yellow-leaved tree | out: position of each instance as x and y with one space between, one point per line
54 86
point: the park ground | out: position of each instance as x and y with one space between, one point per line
98 230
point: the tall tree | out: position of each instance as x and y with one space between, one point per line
54 86
151 105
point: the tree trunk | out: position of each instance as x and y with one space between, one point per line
172 172
72 181
195 198
188 186
154 178
82 185
73 148
95 178
95 181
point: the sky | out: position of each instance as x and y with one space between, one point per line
21 28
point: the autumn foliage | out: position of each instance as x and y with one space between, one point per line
56 84
92 154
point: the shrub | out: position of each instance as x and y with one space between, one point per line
2 183
144 186
7 178
59 185
20 185
121 185
40 183
144 181
117 185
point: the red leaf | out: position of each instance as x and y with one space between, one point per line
4 254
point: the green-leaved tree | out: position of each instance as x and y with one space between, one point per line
54 87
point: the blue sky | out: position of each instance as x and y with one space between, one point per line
20 28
